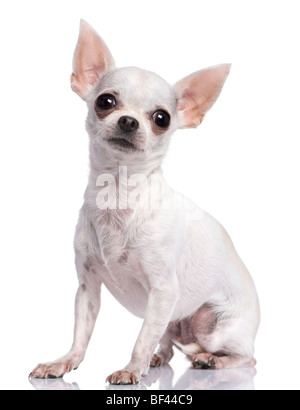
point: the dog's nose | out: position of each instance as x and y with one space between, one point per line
128 124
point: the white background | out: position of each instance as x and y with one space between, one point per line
242 166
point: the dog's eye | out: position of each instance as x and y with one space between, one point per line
161 119
106 102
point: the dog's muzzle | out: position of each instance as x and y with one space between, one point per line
128 124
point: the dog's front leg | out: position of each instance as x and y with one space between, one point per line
87 306
161 303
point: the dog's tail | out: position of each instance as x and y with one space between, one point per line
190 350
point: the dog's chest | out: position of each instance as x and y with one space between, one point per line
114 238
117 249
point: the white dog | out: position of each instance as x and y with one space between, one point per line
171 265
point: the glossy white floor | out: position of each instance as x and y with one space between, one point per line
164 378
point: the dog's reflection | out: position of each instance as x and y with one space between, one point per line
192 379
227 379
53 384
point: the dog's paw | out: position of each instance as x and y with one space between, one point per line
205 361
50 370
156 361
123 377
55 370
161 357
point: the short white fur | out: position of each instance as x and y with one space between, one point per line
182 276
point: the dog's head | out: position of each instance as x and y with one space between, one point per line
133 112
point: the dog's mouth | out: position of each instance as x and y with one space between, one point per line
123 144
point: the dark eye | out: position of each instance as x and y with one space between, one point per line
106 102
161 118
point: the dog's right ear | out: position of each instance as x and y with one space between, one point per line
92 59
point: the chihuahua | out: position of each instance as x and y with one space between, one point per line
174 266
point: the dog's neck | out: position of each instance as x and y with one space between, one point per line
104 162
117 177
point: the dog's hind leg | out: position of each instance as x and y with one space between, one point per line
227 338
213 362
165 351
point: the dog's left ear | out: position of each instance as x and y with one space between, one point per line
197 93
92 59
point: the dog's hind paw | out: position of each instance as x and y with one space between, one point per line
161 357
204 361
156 361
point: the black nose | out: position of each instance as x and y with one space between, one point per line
128 124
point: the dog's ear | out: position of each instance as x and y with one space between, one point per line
91 60
197 93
